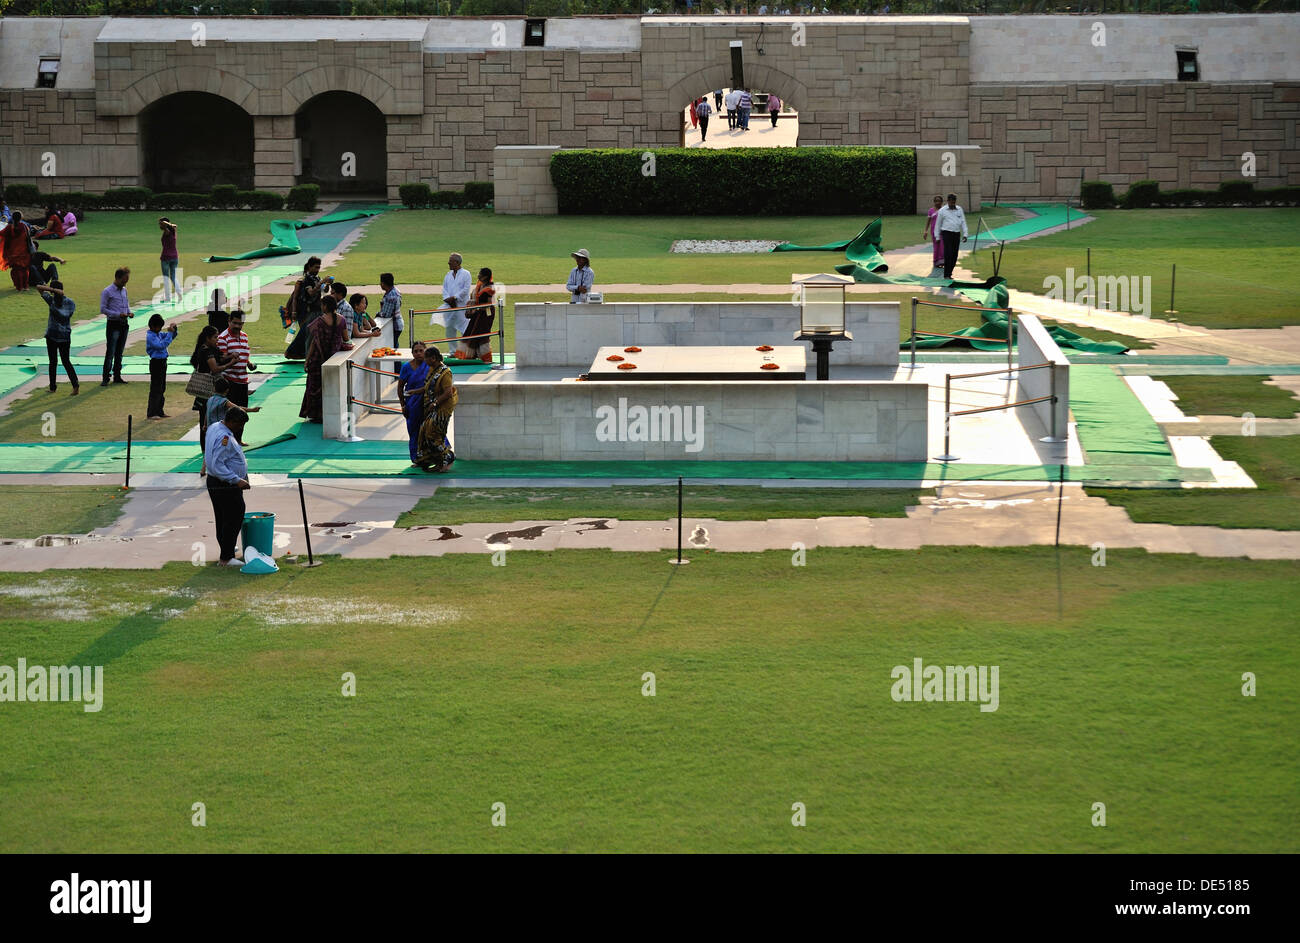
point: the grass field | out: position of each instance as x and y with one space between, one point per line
1232 396
32 510
773 686
1273 463
657 503
97 415
527 250
107 240
1234 265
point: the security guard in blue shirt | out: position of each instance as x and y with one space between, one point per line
227 480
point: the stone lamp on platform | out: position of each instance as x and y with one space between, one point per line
821 316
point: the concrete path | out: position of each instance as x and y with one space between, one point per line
355 517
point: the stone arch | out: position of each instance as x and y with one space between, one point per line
321 149
339 78
762 77
191 140
158 85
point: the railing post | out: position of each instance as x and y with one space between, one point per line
348 418
913 333
947 455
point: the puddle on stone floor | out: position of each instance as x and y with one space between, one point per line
526 533
602 524
699 536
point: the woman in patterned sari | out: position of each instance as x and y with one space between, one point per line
328 337
433 451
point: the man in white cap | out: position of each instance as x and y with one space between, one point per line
581 278
456 286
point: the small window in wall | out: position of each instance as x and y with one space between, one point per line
535 33
47 73
1188 70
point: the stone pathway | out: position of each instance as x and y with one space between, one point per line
355 517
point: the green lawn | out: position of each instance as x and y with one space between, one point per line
1273 463
1235 266
98 414
107 240
723 503
773 686
1232 396
32 510
526 250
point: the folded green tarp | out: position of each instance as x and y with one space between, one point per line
863 249
994 328
284 235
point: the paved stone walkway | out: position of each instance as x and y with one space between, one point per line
355 517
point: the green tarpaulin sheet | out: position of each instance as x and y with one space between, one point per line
863 249
994 327
284 235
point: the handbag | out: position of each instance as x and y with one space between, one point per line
200 385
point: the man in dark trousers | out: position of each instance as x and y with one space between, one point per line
950 224
115 308
227 480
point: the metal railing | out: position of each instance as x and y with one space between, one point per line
1010 342
499 359
948 411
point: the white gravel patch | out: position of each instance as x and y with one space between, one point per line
725 246
293 610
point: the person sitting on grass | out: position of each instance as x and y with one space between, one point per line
53 226
69 223
58 332
156 342
42 265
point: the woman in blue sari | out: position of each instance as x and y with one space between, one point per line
410 387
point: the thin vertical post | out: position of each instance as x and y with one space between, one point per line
306 528
1011 343
947 455
996 190
1089 280
1173 277
970 199
126 483
679 518
913 333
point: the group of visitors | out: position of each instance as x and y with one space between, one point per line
20 248
428 397
469 310
738 103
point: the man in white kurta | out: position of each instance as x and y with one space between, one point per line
456 286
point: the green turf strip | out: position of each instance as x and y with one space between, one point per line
284 234
1047 216
1114 427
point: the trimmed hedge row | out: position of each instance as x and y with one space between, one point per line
739 181
223 196
1147 193
476 195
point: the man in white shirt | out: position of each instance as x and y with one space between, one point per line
733 98
455 294
950 224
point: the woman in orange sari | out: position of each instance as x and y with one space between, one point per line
15 252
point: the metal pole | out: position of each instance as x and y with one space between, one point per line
913 333
1090 280
1067 214
679 519
947 455
411 318
347 415
306 528
126 483
970 200
1173 277
996 190
1011 343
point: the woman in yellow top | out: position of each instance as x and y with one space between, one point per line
433 450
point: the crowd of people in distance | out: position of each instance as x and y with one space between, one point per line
20 248
738 104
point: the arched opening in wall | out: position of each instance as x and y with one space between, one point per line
342 144
726 131
193 140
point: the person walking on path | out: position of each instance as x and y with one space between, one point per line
433 450
931 232
695 118
581 279
168 259
744 104
329 335
205 359
733 97
156 342
456 285
773 107
950 222
233 344
717 101
704 109
15 251
58 332
227 480
410 389
116 309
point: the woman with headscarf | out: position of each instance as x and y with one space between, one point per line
329 335
433 450
206 359
410 388
15 251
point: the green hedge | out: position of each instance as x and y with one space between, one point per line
415 196
223 195
479 193
23 194
303 197
737 181
1229 193
1142 194
1097 195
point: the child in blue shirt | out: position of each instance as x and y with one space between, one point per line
156 343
